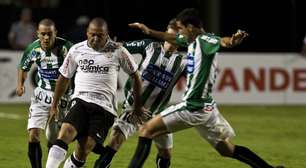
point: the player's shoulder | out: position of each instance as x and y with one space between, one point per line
62 41
111 46
34 46
79 46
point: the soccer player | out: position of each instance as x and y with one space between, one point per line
160 67
48 53
96 62
159 78
198 108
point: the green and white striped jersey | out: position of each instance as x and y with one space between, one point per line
48 62
201 69
159 70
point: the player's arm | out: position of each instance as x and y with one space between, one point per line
137 84
22 76
171 38
23 68
236 39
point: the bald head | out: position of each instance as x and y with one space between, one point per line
47 22
97 33
99 22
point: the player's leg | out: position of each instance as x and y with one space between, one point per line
167 121
34 148
53 126
164 144
122 129
74 123
217 131
83 148
38 116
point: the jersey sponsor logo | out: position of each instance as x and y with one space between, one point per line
88 66
157 76
135 43
190 63
50 74
210 39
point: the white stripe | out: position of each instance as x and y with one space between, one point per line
10 116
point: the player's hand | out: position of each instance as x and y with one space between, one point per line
54 115
140 26
137 117
238 37
20 90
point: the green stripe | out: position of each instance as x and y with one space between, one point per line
157 101
147 92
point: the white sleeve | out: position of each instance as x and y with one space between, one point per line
126 61
69 65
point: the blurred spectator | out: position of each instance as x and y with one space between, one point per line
22 32
78 32
304 47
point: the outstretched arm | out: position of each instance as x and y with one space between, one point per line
236 39
171 38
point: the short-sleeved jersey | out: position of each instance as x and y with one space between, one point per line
159 70
201 69
96 72
48 62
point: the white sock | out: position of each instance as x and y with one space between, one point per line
69 163
56 157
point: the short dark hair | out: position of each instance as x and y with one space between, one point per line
99 22
47 22
190 16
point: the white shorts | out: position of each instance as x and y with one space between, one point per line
128 129
208 122
40 108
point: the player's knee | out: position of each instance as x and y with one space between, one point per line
34 135
117 139
67 133
225 148
145 131
165 153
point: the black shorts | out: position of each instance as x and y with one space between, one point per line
89 119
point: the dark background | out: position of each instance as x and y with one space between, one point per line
274 26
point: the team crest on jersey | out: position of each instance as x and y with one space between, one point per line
190 63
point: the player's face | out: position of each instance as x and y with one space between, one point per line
46 35
169 46
184 30
97 36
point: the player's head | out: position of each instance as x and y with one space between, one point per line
97 33
189 23
172 29
46 33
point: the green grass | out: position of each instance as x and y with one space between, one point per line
277 133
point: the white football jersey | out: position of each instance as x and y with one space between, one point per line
96 72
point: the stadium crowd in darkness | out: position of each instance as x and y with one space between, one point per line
279 31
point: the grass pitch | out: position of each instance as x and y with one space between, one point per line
276 133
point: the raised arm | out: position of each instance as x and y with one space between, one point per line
236 39
171 38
